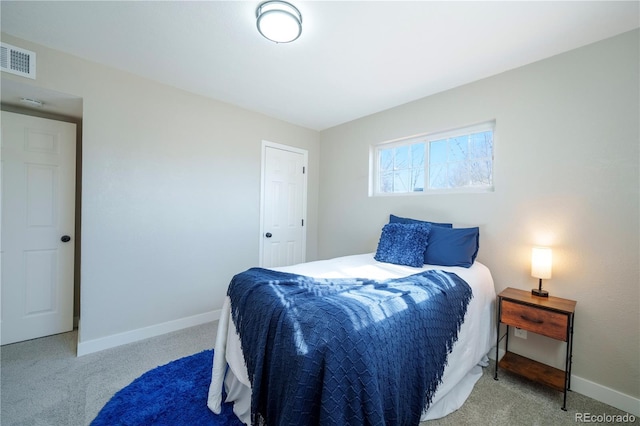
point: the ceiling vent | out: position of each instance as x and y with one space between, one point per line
17 61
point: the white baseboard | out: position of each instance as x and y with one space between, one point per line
95 345
607 395
492 354
596 391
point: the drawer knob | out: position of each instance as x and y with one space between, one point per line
535 321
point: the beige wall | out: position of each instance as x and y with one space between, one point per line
170 194
566 175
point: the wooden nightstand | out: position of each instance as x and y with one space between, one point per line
549 316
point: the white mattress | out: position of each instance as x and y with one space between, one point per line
475 338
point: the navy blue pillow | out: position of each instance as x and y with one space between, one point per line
398 219
403 244
452 246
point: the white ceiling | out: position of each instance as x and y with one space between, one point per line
353 58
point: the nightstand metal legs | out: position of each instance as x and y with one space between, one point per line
568 361
495 376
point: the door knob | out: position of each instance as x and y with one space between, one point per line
65 239
268 235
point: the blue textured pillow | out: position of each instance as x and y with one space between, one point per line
452 247
403 243
398 219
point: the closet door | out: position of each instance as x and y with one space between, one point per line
283 238
38 219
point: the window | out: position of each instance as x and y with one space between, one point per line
459 159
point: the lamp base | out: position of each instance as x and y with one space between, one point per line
539 292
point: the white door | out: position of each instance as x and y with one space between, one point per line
38 219
284 189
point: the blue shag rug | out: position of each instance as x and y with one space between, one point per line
174 394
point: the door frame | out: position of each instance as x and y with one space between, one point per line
266 145
75 230
56 116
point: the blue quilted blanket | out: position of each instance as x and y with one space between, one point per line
345 351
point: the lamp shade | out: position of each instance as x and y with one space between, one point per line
279 21
541 259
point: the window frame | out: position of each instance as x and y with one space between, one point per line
426 138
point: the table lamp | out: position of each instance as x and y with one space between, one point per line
540 268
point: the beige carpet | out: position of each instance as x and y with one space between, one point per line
43 383
513 401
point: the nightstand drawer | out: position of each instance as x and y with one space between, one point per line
540 321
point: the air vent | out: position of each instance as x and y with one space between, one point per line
17 61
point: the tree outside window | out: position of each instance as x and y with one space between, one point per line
460 159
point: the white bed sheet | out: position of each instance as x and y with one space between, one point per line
462 371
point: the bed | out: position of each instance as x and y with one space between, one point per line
466 356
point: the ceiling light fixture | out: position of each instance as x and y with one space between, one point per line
279 21
34 103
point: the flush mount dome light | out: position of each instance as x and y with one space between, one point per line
34 103
279 21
